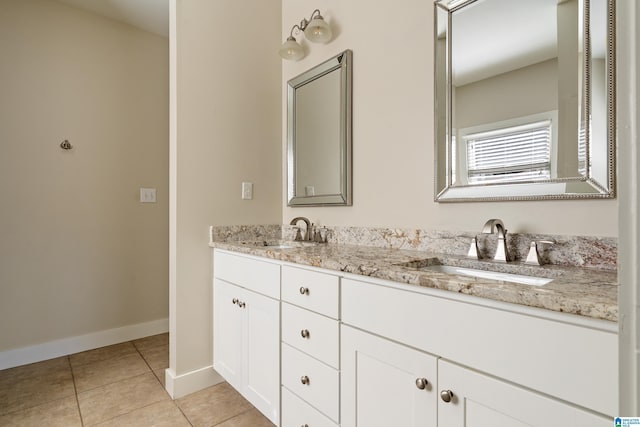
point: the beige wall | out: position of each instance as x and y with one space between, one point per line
522 92
226 130
392 45
78 252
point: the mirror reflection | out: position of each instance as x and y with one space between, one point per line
522 97
319 134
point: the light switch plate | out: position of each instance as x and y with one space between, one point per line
147 195
247 190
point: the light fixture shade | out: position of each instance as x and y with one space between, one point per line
318 31
291 50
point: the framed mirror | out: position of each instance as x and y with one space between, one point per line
319 134
524 105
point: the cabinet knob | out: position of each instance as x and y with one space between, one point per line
304 380
304 291
446 395
304 333
421 383
235 300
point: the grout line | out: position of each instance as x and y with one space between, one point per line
182 412
75 390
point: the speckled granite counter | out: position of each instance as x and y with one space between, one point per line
577 290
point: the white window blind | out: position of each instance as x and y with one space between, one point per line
582 150
517 153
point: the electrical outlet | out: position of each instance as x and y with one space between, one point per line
247 190
147 195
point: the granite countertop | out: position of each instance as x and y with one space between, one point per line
582 291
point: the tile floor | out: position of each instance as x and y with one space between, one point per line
119 385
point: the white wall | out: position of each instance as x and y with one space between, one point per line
392 45
78 253
225 130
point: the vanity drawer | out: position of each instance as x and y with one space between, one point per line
312 290
259 276
321 334
296 412
322 388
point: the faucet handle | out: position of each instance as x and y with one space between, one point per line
298 235
536 248
473 249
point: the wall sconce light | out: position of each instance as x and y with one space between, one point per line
315 29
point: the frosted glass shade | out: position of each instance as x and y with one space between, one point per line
318 31
291 50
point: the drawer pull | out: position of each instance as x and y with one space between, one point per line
304 380
421 383
304 291
446 395
304 333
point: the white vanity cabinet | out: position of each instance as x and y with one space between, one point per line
473 356
310 348
330 348
246 322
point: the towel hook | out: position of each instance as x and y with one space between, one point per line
66 145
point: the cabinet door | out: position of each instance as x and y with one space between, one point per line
262 353
380 381
482 401
227 332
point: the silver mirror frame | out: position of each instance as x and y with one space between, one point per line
343 62
587 187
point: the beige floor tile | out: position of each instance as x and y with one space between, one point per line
213 405
153 341
97 374
157 357
103 353
59 413
161 414
160 374
26 391
112 400
33 370
252 417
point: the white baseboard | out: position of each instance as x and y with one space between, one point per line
65 346
180 385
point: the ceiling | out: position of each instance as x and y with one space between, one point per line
148 15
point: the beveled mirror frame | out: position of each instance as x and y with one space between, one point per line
586 187
342 62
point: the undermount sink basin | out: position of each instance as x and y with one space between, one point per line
492 275
280 244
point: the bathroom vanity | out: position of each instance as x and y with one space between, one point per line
332 335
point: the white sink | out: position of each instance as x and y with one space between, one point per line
279 246
493 275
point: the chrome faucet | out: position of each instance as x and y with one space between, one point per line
497 226
307 233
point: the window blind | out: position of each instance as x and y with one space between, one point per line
517 153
